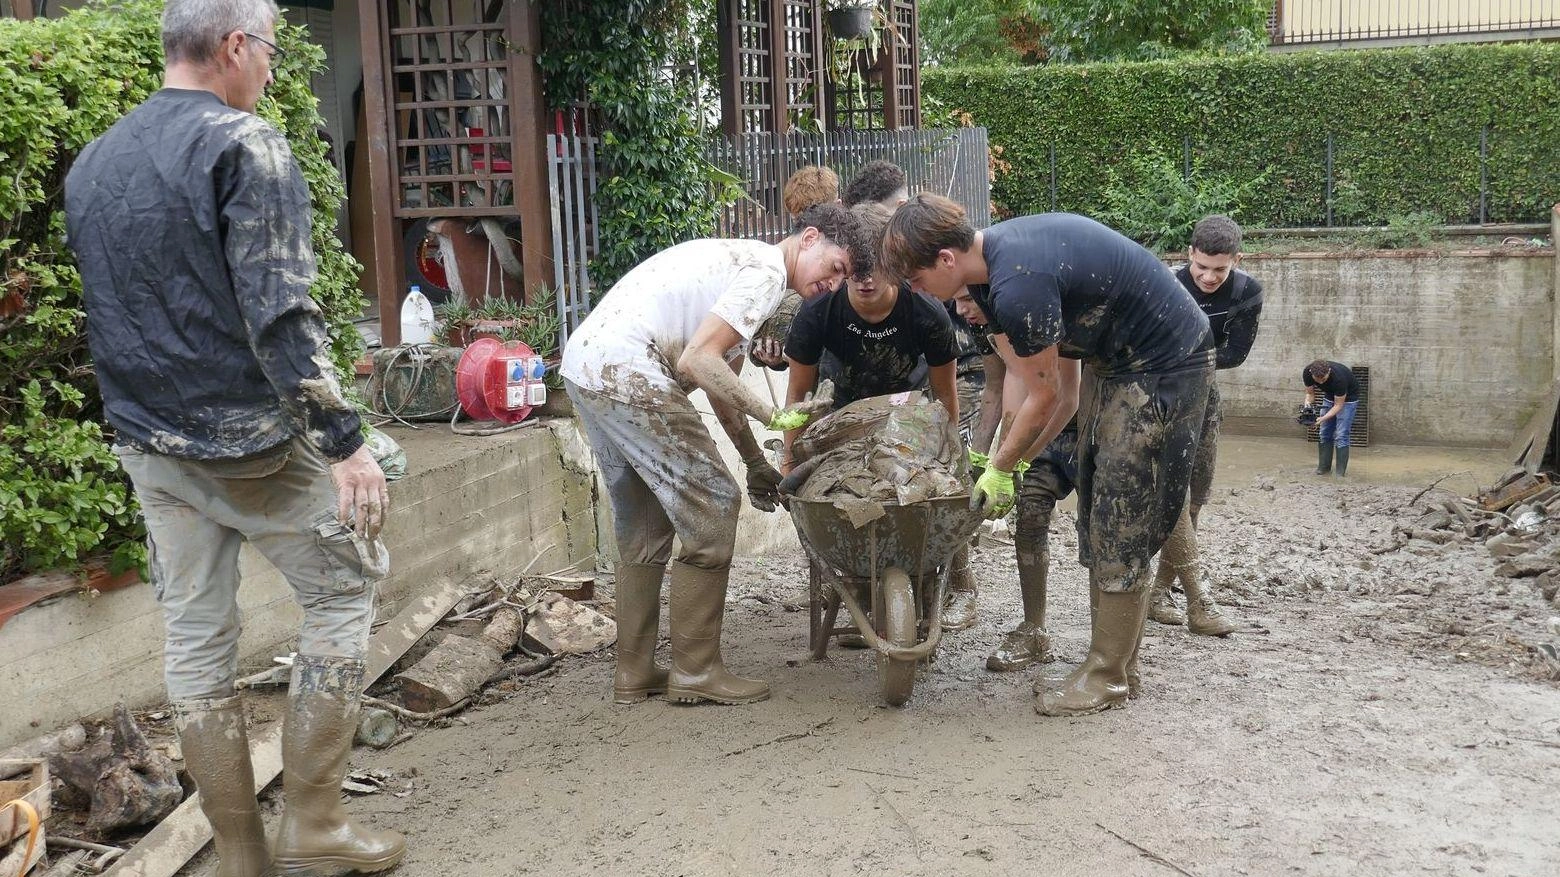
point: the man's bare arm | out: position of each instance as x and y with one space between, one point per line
1048 403
990 404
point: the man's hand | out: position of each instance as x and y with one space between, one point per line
763 484
767 352
361 497
993 493
979 460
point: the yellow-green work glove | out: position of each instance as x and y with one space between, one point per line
993 494
979 460
787 419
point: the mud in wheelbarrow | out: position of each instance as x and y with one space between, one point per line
900 560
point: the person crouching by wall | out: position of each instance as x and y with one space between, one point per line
1335 381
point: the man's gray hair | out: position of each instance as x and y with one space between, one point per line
192 30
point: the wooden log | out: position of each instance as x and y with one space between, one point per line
460 665
67 739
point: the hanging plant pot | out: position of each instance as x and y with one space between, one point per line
850 23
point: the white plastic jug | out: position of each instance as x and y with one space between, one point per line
417 323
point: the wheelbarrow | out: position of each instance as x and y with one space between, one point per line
901 561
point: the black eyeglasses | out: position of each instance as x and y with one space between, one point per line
277 52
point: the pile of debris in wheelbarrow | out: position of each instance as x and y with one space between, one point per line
880 498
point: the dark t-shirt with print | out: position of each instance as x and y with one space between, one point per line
1233 310
873 358
1340 382
1063 279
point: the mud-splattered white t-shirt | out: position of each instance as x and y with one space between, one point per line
627 349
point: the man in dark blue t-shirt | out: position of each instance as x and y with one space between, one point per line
1058 288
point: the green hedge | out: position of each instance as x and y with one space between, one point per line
64 81
1405 124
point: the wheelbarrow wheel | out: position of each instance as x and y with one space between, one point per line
897 677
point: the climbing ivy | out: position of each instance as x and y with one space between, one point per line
1405 126
655 188
63 81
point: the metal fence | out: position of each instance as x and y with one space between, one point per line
1300 22
950 162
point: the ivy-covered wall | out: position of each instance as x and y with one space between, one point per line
63 81
1405 125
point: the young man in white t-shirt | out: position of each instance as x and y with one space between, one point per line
678 322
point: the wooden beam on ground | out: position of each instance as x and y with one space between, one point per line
175 840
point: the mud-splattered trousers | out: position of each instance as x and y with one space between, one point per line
283 502
1336 430
1207 447
1051 477
971 385
664 477
1137 439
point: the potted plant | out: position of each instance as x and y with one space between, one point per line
850 19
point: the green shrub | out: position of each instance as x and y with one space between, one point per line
1152 201
1405 127
1404 231
64 81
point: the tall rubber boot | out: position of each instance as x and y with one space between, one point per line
216 753
1043 683
1134 677
1100 682
1324 457
316 737
1161 603
959 606
1343 462
1203 615
638 622
1028 643
698 673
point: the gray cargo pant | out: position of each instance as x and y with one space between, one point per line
284 503
1137 438
665 477
1207 448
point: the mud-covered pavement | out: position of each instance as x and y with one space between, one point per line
1381 714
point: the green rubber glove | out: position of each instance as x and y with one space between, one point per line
993 494
1020 468
979 460
787 419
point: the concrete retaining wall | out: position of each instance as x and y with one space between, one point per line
470 505
1461 347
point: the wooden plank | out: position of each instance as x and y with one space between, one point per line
381 172
1527 449
175 840
528 125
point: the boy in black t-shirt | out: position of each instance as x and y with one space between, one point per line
1232 300
877 331
1058 288
1335 381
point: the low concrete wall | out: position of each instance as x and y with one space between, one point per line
1461 347
469 505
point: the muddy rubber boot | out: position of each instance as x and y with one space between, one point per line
1324 456
638 620
959 605
1161 604
1134 676
698 674
1203 615
1028 643
1100 682
1343 462
322 717
216 753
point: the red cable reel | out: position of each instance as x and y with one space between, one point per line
500 381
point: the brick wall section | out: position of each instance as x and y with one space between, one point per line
469 505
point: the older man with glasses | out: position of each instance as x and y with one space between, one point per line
190 222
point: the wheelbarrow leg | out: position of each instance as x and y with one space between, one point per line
831 612
817 634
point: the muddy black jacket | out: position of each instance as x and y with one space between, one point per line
190 222
1233 310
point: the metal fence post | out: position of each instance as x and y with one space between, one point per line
1053 176
1329 192
1186 159
1484 173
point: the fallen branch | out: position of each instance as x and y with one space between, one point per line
529 668
105 854
783 738
413 715
1431 486
1147 853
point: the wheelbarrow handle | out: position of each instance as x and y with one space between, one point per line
799 475
899 653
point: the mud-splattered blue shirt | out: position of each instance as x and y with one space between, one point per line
190 222
1066 280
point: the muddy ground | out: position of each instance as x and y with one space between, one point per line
1380 714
